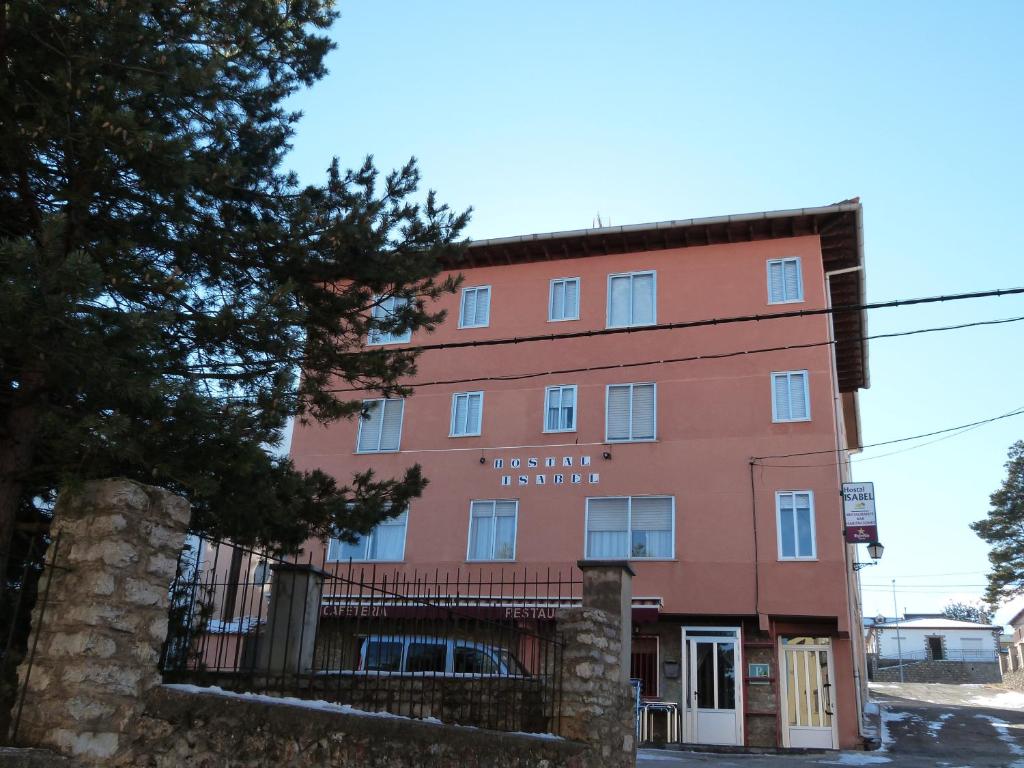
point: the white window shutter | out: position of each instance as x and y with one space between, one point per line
618 408
798 396
776 282
792 275
468 306
391 429
482 315
370 426
608 515
780 387
459 418
473 412
643 412
557 310
619 298
652 513
643 300
572 299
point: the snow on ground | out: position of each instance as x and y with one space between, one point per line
1001 729
1004 700
936 725
890 717
858 758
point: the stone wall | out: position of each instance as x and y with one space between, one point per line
1014 679
178 728
956 672
105 620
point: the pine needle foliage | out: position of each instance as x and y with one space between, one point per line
164 279
1003 530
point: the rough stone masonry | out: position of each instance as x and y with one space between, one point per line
105 620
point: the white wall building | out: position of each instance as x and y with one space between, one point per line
934 638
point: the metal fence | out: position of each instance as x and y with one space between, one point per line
472 646
948 654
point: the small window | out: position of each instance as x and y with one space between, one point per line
796 525
785 283
383 656
631 299
790 396
475 311
560 409
467 413
564 301
380 427
385 542
633 527
474 661
492 530
630 412
384 310
426 657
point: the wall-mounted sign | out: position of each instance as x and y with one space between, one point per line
758 670
859 513
545 470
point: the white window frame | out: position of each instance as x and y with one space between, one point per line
383 338
401 425
799 279
551 299
629 524
807 395
494 533
462 306
366 542
654 299
631 439
480 429
575 407
778 526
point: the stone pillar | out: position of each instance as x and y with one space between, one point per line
597 701
608 586
289 638
100 637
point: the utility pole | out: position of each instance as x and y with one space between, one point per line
899 644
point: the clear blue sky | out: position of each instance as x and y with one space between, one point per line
542 114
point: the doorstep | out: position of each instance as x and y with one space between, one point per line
721 749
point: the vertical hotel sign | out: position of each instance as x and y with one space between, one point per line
859 513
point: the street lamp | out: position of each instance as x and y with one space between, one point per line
875 550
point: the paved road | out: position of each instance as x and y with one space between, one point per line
923 726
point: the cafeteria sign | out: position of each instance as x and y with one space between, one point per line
859 513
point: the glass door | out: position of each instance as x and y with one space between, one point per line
712 706
807 693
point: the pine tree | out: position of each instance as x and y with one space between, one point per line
163 280
1003 529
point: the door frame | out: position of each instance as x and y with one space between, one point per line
687 712
784 690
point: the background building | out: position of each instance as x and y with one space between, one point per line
703 452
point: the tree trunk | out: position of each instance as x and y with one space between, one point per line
17 446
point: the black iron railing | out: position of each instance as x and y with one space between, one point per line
473 646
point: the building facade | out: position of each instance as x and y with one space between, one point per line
624 424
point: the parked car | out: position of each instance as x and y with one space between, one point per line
437 655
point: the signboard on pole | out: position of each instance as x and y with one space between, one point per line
859 513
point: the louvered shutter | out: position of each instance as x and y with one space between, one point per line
572 299
468 307
651 525
643 412
387 541
643 300
619 297
791 267
557 310
460 406
607 528
618 407
482 315
473 412
553 408
776 282
370 426
780 387
798 396
391 429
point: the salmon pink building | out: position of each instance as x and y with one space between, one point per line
650 411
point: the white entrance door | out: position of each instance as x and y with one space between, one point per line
808 701
712 707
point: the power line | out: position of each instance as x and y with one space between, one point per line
688 359
1015 412
712 321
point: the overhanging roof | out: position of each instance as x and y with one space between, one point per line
838 226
